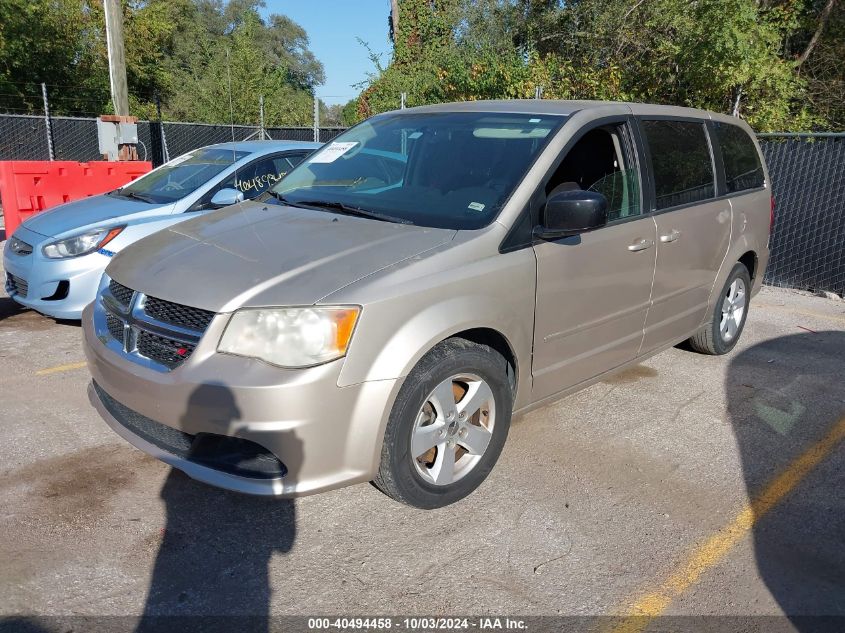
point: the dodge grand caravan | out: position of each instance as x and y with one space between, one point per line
381 313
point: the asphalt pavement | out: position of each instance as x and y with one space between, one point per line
688 485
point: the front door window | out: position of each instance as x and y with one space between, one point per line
602 161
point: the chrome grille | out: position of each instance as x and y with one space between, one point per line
19 247
176 314
121 293
16 285
150 331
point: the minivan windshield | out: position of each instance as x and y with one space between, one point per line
447 170
181 176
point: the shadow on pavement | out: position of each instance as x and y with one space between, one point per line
217 545
9 308
785 396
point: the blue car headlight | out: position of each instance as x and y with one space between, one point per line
81 244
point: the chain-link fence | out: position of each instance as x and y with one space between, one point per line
808 237
25 137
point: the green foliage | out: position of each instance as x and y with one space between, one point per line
183 51
715 54
349 113
256 62
49 42
823 70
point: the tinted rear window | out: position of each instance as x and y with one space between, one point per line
742 162
680 158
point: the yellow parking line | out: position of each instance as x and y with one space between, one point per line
60 368
708 554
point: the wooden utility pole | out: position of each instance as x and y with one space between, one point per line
394 18
117 56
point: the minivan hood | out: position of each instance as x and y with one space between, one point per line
256 254
87 211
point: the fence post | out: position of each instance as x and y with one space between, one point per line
538 92
47 122
262 135
316 119
402 98
164 153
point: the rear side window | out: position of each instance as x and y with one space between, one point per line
742 162
681 163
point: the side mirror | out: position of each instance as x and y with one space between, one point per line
226 197
572 212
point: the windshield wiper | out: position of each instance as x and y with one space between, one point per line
137 196
263 197
348 209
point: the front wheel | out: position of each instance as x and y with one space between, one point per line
447 426
729 315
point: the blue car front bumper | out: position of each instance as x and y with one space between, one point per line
60 288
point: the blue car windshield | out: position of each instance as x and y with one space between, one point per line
181 176
446 169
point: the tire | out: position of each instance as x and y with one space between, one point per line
720 336
419 418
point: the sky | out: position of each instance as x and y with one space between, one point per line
333 27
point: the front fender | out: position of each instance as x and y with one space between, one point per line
394 333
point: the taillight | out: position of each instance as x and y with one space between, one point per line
772 215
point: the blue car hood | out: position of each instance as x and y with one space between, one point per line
82 213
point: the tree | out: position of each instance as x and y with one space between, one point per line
233 43
820 65
257 59
180 51
775 62
52 42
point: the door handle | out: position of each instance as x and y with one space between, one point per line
670 237
641 245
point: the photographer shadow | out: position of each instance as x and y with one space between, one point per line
786 401
212 568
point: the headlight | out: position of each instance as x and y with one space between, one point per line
81 244
290 337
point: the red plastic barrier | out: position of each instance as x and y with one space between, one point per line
30 186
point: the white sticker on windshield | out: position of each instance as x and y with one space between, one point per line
180 159
476 206
334 151
533 120
415 135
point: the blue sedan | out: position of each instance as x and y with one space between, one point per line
55 259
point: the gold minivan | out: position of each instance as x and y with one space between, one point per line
382 312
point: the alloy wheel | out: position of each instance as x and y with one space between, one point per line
453 429
733 309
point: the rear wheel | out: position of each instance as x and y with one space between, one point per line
448 425
729 315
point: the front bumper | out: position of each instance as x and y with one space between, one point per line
43 275
325 436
